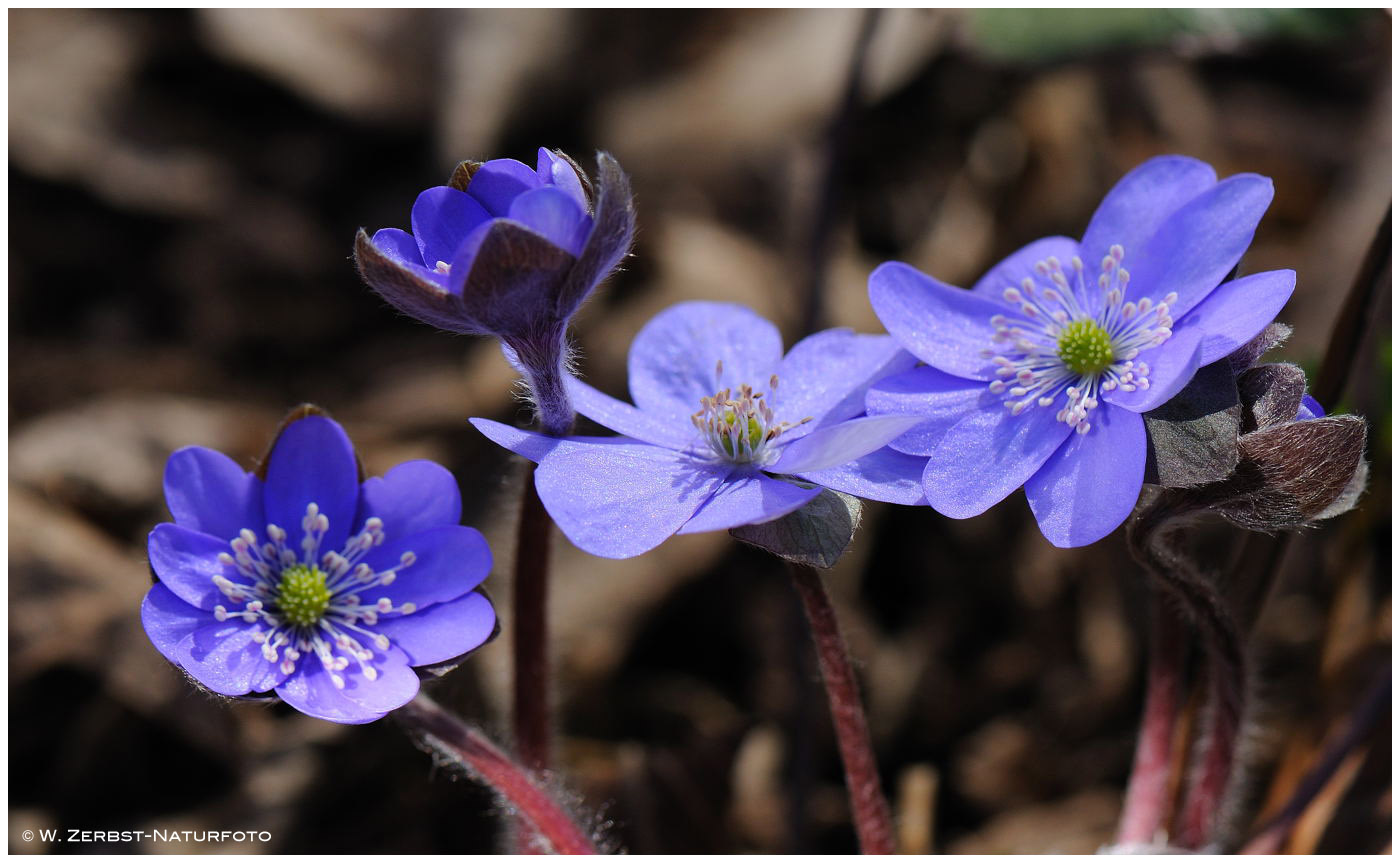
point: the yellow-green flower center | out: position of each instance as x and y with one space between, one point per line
1085 347
302 595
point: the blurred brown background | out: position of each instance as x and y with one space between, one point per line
184 190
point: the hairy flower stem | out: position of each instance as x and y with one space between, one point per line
870 810
464 746
1154 537
530 628
1148 801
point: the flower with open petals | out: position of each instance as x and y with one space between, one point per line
308 583
1039 375
722 421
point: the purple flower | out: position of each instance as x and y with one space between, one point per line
310 583
509 251
1039 375
721 416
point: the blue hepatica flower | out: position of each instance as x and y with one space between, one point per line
264 586
1039 375
722 421
512 252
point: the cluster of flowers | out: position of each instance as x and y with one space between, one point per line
304 581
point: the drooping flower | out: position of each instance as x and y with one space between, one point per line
509 251
309 583
723 423
1039 375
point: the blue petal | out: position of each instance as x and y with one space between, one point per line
168 620
1170 368
442 218
499 182
1020 264
535 446
751 499
560 174
989 454
187 561
1236 312
944 326
884 475
312 462
1138 206
825 376
840 443
621 500
1310 409
555 216
626 419
311 690
442 632
411 498
941 399
225 658
1200 243
399 245
1092 482
449 561
673 360
208 492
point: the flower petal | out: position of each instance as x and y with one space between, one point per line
393 686
614 221
442 218
825 376
626 419
1236 312
837 444
412 497
312 690
751 499
224 657
208 492
1139 204
944 326
884 474
621 500
1310 409
560 173
556 216
1020 264
312 461
499 182
987 455
447 562
442 632
673 360
941 399
186 562
400 246
535 446
1092 482
1200 243
1170 368
168 620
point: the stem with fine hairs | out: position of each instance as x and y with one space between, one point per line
1148 801
460 744
869 809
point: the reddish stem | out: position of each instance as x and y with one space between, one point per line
1147 803
1211 773
452 738
871 812
530 628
